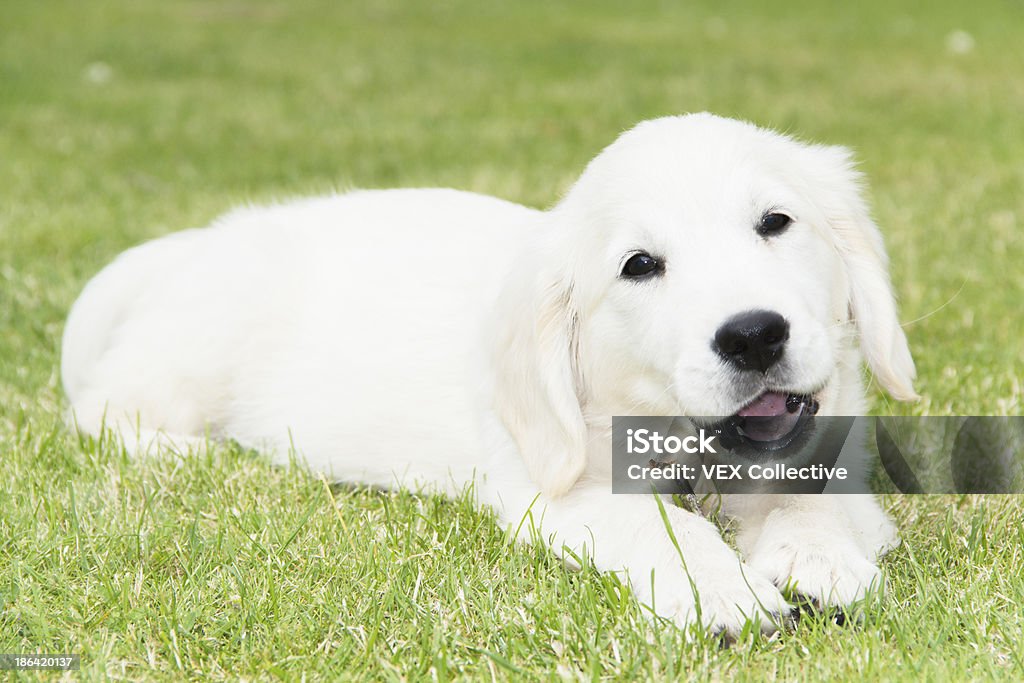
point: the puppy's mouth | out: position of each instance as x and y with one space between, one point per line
771 422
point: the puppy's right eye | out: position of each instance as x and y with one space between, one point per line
640 266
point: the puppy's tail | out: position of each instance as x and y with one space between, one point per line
95 321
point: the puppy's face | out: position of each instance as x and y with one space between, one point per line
703 267
715 277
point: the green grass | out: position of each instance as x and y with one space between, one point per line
120 121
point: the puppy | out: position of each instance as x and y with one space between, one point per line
434 338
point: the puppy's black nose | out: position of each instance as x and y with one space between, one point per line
753 340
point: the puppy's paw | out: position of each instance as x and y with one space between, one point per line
721 594
832 572
731 601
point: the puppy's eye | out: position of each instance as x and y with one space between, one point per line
640 266
773 224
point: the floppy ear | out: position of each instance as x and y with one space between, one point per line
537 377
871 300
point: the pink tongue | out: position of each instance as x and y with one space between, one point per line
768 404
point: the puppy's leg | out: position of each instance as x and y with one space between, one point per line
874 530
94 419
824 546
706 582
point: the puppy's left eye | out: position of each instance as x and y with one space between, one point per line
773 224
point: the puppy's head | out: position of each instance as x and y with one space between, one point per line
705 267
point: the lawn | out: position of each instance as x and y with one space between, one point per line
120 121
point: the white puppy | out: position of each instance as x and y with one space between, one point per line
700 266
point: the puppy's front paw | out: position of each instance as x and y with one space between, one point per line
730 599
828 571
715 590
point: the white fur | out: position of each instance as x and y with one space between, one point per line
434 338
